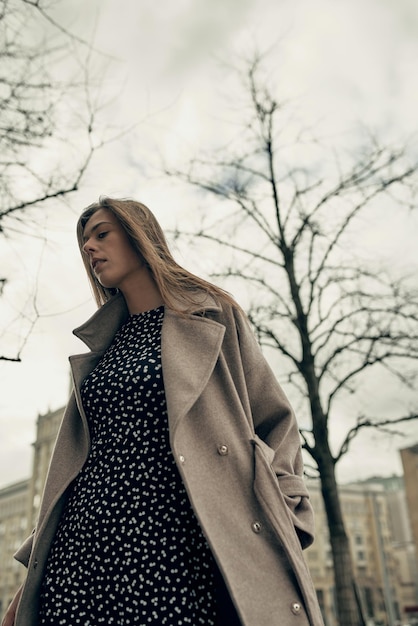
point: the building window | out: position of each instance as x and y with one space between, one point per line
368 601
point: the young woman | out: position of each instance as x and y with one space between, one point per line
175 492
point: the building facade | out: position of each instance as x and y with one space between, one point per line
382 551
19 504
13 531
409 458
46 431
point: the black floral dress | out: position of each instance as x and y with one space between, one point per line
129 549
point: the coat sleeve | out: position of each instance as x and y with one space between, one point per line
277 431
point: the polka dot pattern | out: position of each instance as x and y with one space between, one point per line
129 549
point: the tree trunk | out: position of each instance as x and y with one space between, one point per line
349 609
348 605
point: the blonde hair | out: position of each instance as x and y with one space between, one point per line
147 238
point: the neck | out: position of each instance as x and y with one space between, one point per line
142 295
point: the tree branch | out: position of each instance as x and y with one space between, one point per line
378 424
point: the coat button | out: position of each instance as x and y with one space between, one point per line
181 458
223 450
256 526
296 608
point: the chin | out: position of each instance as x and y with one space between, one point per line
107 285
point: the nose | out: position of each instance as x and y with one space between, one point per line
88 246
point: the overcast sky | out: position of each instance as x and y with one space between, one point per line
337 62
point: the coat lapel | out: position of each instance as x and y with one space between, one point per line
99 330
189 347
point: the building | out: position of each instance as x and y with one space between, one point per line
19 505
13 531
409 457
46 431
380 547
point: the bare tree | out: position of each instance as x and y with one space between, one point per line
48 115
288 225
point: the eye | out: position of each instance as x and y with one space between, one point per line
102 235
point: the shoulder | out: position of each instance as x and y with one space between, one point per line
238 330
225 311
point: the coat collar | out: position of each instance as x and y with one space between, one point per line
190 346
98 331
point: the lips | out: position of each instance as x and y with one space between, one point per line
97 263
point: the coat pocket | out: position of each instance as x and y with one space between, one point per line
284 498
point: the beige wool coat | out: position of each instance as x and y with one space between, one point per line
237 448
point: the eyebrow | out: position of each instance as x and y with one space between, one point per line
94 228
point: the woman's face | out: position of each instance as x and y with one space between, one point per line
113 260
